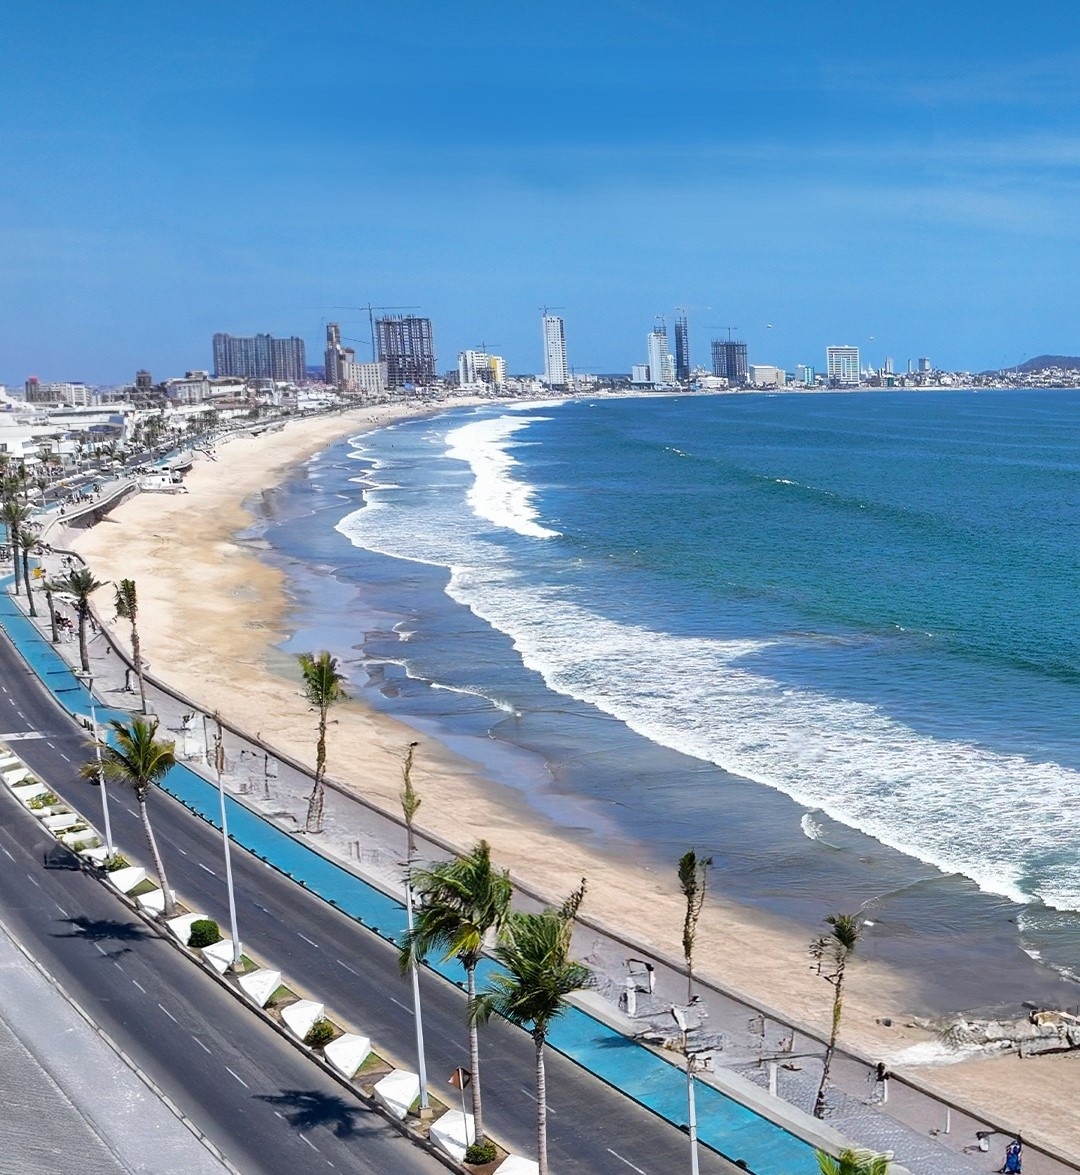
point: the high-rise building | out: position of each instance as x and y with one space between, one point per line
478 367
661 364
406 345
729 360
260 357
924 366
682 349
842 366
556 373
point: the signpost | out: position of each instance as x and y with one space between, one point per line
459 1080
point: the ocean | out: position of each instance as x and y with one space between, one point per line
833 640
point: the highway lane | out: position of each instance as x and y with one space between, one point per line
592 1128
260 1101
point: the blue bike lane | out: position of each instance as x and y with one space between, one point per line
725 1125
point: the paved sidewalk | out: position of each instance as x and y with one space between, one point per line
71 1105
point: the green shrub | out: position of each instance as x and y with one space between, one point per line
204 933
45 801
116 861
479 1153
320 1033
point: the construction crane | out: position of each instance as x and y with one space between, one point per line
544 309
371 319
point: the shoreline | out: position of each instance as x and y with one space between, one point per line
197 578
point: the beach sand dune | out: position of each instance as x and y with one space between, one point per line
210 614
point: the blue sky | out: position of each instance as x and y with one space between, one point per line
844 171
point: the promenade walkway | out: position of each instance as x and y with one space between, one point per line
759 1140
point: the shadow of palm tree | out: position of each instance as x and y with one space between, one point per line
104 930
307 1108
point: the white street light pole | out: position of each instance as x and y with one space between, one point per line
691 1102
88 679
410 801
219 767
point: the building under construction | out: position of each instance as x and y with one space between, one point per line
729 360
407 346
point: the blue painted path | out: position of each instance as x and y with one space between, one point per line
723 1124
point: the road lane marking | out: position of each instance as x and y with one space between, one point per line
168 1013
135 814
61 909
401 1005
139 986
309 1142
34 880
7 854
626 1161
347 967
64 757
306 939
207 868
100 949
241 1080
527 1093
200 1044
180 850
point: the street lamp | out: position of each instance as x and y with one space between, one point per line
219 767
410 802
88 680
679 1017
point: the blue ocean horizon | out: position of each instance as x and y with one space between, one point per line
831 639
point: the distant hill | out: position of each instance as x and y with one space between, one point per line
1042 362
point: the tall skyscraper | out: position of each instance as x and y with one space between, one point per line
661 365
556 373
407 346
336 356
478 367
260 357
729 360
682 349
842 366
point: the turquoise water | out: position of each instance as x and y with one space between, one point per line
833 637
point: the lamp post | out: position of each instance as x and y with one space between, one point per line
88 680
219 767
410 801
691 1105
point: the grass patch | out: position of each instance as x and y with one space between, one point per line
281 995
144 886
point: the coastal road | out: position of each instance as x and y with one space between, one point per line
592 1128
256 1097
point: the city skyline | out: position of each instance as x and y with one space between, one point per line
918 199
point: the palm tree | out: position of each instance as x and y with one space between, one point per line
81 584
693 881
464 903
322 687
831 953
48 587
531 991
127 608
853 1162
15 516
139 761
28 536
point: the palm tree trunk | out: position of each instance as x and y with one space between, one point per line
136 656
13 539
26 579
830 1048
474 1061
84 652
144 815
52 615
541 1103
314 821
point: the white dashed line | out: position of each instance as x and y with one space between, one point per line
626 1161
180 850
241 1080
401 1005
34 880
168 1013
347 967
100 949
208 869
7 854
64 757
200 1044
309 1142
139 986
61 909
306 939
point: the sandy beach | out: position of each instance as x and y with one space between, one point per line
211 613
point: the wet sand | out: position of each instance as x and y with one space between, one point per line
211 613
